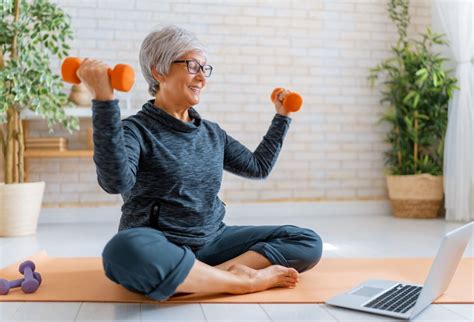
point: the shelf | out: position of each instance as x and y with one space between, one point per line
59 154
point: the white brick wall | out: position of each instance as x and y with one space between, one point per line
321 49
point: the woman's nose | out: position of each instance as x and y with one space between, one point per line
200 76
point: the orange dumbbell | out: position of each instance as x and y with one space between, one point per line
292 101
121 77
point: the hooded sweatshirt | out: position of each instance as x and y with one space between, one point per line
169 172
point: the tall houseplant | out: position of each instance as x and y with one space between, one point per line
417 88
31 33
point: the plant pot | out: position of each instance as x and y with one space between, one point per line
415 196
20 206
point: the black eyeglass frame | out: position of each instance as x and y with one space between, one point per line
201 67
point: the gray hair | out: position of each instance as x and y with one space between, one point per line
160 48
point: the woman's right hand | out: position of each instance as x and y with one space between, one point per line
94 75
280 109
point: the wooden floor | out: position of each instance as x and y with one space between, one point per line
359 235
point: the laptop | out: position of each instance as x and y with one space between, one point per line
403 300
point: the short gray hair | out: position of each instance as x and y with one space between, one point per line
161 47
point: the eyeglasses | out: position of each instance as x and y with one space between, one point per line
194 67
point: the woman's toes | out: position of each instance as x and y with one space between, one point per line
288 282
291 281
292 272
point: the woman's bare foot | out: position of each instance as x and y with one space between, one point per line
266 278
242 269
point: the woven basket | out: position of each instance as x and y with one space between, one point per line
415 196
20 206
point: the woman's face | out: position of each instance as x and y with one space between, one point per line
181 87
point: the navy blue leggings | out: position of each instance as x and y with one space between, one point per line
144 261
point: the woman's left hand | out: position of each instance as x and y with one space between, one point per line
280 109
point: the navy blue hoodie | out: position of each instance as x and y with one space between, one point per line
169 172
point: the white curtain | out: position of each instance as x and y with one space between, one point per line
457 21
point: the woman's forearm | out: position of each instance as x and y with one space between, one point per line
240 161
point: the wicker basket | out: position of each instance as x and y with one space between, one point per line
415 196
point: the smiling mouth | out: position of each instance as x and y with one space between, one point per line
195 90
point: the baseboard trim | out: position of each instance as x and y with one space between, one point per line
276 209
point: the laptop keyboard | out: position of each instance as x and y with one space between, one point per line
399 299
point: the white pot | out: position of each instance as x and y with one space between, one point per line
20 206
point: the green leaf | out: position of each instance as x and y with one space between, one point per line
409 96
421 71
416 100
435 80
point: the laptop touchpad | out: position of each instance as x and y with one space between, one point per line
367 291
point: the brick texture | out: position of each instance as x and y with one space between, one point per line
321 49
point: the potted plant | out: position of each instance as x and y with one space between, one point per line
417 89
31 33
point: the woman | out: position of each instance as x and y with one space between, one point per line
168 164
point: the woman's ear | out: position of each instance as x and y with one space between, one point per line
160 78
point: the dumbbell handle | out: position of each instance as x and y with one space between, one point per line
28 273
292 102
15 283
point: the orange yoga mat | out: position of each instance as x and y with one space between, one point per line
82 279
